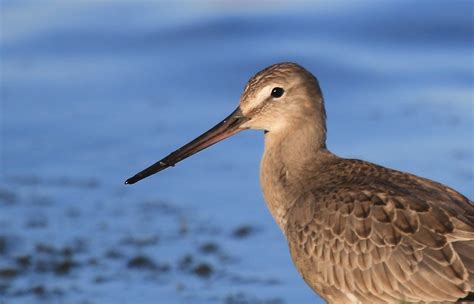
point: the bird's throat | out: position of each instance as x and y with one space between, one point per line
288 158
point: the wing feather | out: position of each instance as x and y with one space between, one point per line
382 245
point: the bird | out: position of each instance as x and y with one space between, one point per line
357 232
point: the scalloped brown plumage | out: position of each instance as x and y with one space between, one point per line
383 236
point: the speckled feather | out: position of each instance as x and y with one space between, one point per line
381 235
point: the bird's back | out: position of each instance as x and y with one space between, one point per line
362 232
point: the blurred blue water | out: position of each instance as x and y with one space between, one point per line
96 90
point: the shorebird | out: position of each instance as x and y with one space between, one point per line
357 232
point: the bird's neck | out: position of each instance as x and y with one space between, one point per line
288 160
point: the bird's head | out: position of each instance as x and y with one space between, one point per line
278 99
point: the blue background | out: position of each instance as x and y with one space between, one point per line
93 91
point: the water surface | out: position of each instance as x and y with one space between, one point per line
92 91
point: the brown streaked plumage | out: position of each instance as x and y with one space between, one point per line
357 232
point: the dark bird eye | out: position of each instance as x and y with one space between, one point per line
277 92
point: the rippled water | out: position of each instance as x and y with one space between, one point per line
93 91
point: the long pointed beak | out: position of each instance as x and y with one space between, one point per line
226 128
